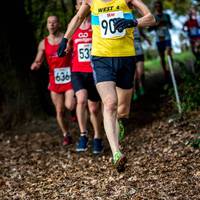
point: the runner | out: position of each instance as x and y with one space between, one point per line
84 86
163 38
138 88
192 26
112 56
60 86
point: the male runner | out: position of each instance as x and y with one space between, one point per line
192 26
84 86
138 88
112 55
163 38
60 86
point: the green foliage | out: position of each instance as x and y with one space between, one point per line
195 142
38 11
178 6
189 89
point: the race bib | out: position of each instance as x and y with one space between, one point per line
62 75
194 31
163 33
84 52
107 24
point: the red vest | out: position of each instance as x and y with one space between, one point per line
82 43
52 57
59 69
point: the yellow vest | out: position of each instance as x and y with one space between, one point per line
106 41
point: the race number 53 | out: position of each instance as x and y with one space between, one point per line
107 24
84 52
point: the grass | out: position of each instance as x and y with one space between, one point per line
154 65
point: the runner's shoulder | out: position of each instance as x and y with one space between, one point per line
41 45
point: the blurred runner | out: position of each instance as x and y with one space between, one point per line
60 86
163 37
192 26
138 89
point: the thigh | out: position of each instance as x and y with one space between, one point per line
58 100
81 96
69 99
125 73
124 96
107 92
161 46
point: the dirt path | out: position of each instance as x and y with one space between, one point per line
33 165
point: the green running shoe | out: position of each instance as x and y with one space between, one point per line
119 161
121 134
141 91
135 97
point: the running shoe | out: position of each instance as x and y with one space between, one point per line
67 140
121 134
82 144
73 117
97 146
135 97
119 161
141 91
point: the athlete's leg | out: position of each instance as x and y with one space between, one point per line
124 102
95 117
140 72
81 109
70 100
58 101
108 94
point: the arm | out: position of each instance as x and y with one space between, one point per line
73 25
77 20
39 57
147 18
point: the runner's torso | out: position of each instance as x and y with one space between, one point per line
106 41
59 67
193 28
82 44
162 31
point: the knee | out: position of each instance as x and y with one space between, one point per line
123 111
93 109
110 105
70 105
82 102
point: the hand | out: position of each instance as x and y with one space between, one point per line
120 24
61 49
35 66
